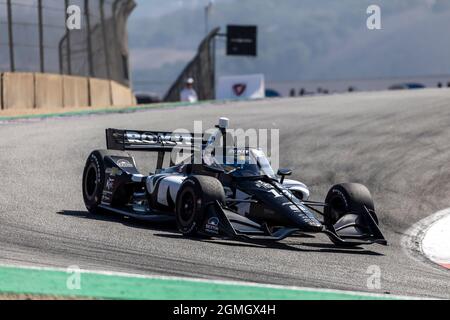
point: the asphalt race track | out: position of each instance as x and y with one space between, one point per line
397 143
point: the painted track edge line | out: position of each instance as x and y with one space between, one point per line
219 282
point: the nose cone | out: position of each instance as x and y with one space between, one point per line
305 220
295 214
278 205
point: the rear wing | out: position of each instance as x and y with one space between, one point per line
151 141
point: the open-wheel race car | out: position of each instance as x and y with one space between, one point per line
233 194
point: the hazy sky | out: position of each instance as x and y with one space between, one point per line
155 8
298 39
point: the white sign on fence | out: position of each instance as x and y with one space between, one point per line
241 87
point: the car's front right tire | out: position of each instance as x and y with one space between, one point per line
347 198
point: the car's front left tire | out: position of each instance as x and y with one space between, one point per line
93 181
94 178
194 197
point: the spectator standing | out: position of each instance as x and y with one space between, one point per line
188 94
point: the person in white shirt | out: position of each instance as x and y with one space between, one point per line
188 94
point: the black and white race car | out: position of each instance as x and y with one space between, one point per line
235 195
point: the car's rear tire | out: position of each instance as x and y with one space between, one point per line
194 196
94 178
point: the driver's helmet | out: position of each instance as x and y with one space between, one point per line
238 161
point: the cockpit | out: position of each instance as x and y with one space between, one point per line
240 162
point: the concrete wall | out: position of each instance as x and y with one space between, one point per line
18 90
54 91
100 91
121 95
48 91
76 92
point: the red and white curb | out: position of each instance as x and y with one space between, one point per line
431 238
436 242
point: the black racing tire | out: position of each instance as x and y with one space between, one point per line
94 178
196 193
345 198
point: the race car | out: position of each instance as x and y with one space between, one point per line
231 194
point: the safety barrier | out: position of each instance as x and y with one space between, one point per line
18 91
75 91
54 91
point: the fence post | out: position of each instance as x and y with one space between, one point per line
88 38
10 37
212 65
69 53
105 40
41 37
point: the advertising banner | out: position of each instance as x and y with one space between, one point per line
241 87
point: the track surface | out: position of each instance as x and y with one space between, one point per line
397 143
